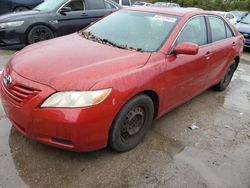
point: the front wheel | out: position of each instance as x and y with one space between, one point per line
223 84
40 33
131 123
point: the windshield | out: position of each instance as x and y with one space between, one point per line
246 20
50 5
132 30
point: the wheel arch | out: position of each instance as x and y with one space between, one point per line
155 98
237 60
17 6
150 93
42 24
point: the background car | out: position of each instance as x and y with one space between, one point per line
165 4
229 16
244 28
17 5
239 14
124 3
51 19
141 3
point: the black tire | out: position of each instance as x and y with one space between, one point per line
39 33
247 49
20 9
131 124
225 81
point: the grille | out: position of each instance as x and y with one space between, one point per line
20 93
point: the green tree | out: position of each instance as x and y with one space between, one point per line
222 5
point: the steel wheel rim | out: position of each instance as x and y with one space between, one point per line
133 123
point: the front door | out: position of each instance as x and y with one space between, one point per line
188 73
83 12
75 20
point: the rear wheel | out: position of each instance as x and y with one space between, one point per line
223 84
132 123
40 33
20 9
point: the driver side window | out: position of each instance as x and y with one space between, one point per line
76 5
194 31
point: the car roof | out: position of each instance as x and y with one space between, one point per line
171 11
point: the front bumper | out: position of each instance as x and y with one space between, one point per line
12 37
78 129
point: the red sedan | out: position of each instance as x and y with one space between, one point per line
104 85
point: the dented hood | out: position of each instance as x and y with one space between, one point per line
74 63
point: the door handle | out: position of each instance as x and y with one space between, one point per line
208 54
84 14
233 45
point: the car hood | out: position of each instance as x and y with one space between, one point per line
74 63
20 15
243 28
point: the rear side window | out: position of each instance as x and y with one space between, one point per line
194 31
218 30
229 32
108 5
125 2
96 4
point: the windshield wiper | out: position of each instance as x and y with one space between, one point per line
91 36
105 41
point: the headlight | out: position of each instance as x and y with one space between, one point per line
76 99
11 24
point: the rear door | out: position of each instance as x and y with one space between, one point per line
223 44
97 9
188 73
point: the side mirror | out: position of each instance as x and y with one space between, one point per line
186 48
63 10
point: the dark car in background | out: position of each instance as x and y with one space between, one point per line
51 19
7 6
239 14
244 28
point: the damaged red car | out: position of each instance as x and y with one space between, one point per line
104 85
